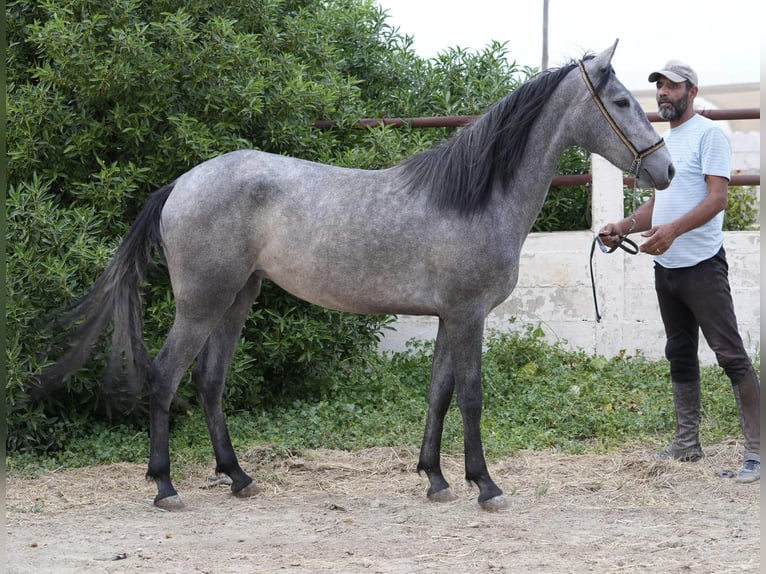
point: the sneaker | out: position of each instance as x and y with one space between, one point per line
751 471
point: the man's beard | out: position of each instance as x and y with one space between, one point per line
675 110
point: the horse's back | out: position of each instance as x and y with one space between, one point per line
313 229
348 239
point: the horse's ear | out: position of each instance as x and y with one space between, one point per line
604 59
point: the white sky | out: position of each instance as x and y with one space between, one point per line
720 40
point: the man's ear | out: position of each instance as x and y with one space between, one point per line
693 91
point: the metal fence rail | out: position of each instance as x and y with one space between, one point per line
459 121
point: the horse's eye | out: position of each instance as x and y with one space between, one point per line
622 103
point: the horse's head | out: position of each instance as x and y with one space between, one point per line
611 123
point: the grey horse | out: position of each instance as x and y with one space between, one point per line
438 234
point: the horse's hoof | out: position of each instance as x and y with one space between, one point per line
250 490
495 504
170 503
444 495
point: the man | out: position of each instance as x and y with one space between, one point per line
683 226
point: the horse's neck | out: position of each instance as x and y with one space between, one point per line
546 144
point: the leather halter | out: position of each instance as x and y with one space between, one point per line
637 155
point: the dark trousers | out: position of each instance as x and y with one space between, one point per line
699 298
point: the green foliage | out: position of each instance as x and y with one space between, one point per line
567 208
741 209
536 396
543 396
108 101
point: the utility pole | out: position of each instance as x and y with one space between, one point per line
544 64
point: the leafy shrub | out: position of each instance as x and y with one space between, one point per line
741 209
567 207
108 101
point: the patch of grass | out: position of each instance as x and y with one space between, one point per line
101 445
540 396
536 396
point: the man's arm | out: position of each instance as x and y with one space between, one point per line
661 237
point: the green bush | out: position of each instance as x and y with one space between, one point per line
741 209
567 208
109 100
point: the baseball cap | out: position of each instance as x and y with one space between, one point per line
675 71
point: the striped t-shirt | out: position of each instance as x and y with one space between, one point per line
698 148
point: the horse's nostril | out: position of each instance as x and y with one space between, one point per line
671 171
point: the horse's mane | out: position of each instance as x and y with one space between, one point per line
459 174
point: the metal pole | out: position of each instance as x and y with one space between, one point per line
544 64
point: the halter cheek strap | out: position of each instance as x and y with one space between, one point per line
637 155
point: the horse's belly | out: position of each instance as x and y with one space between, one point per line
355 293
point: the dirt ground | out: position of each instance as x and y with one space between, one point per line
330 511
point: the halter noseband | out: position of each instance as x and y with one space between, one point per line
637 155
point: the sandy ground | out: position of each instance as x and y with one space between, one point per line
340 512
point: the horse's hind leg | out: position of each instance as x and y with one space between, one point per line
183 343
201 308
209 375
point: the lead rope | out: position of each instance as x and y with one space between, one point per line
593 279
631 247
627 245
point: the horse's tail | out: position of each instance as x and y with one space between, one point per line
114 297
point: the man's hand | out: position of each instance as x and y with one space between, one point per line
610 234
660 238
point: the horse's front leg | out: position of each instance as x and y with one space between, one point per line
439 398
465 342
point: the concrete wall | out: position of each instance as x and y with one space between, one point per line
554 288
